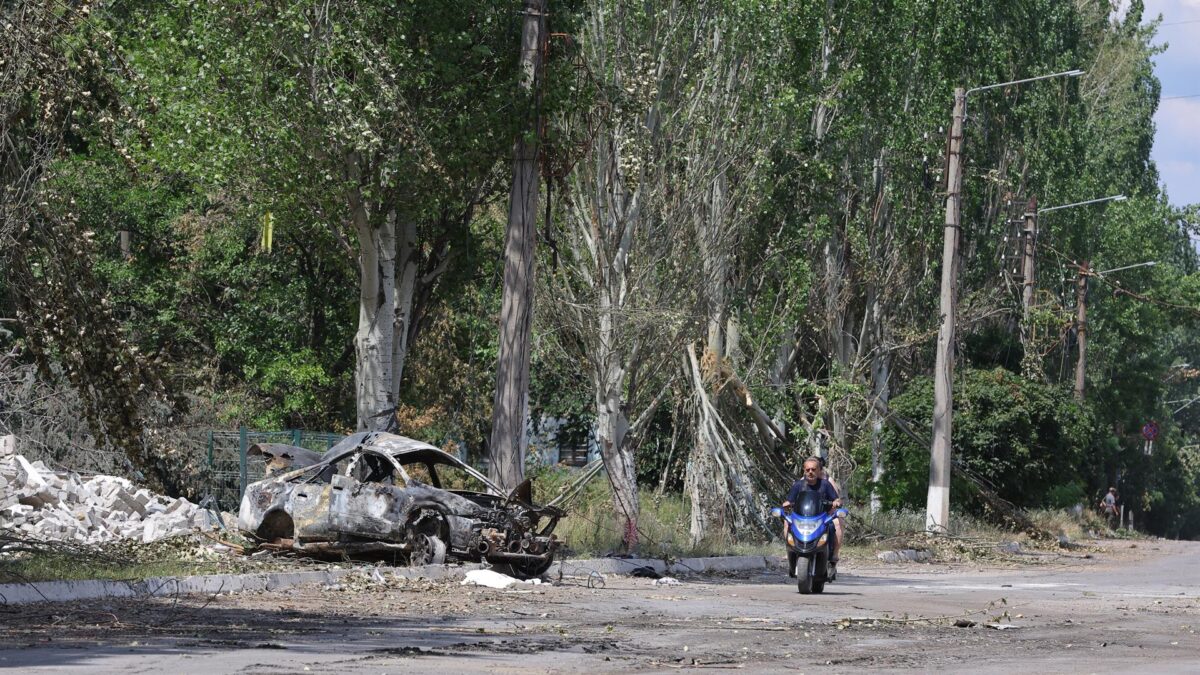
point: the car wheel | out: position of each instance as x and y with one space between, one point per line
427 549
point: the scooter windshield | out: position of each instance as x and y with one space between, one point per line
809 504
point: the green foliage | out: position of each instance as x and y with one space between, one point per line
298 380
993 346
451 374
1026 439
1066 495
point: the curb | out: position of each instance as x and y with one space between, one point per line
70 591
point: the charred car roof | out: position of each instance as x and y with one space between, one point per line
403 450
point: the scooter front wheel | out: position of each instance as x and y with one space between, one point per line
820 568
805 579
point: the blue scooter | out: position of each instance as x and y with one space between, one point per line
810 538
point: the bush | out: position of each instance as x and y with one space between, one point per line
1067 495
1026 439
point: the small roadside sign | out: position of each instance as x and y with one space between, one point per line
1150 431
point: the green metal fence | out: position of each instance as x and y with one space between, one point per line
230 469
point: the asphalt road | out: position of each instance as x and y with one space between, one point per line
1123 609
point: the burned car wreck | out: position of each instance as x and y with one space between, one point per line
376 493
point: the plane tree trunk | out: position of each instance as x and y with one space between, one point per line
510 407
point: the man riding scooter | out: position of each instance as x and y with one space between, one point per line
813 482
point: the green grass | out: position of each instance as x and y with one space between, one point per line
29 560
60 567
889 525
593 528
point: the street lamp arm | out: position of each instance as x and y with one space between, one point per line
1114 198
1176 411
1151 263
1065 73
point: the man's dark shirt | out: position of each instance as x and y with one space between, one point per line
828 493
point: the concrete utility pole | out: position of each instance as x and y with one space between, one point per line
1081 329
1028 270
937 508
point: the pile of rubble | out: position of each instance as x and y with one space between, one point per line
61 506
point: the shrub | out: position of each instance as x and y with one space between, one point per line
1026 439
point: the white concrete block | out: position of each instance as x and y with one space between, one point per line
28 474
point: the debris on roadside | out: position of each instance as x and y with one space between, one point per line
40 502
667 581
645 572
492 579
907 554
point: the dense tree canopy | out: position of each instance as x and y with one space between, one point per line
291 215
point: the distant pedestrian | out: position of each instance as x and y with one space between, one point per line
1108 505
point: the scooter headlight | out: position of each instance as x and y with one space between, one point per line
806 527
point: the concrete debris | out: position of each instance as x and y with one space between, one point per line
41 503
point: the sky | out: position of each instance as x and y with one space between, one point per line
1177 136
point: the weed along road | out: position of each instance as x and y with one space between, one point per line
1123 606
